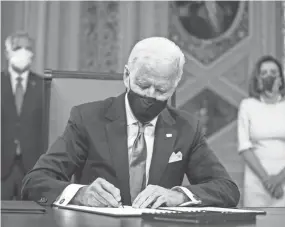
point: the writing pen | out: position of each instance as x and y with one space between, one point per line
121 205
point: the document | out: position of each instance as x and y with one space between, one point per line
217 209
130 211
125 211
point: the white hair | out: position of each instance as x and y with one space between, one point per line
157 51
15 37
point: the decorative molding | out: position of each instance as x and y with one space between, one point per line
186 77
82 75
213 111
238 74
99 36
110 29
283 29
209 50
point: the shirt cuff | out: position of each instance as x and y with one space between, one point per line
244 147
193 199
67 195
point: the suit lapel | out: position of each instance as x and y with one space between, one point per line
6 86
165 136
116 131
7 96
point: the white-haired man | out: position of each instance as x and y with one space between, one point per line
21 115
133 149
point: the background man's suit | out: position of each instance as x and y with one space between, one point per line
25 129
96 135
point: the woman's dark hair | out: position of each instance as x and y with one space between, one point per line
254 88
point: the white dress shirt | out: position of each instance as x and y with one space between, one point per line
132 130
13 78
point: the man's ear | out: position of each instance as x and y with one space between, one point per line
33 56
7 55
126 77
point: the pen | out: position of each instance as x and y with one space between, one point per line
121 205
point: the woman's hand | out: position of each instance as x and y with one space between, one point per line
274 185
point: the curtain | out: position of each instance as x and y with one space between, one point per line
53 25
94 36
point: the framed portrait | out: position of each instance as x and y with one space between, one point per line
207 19
208 29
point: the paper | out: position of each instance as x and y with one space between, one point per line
126 211
218 209
130 211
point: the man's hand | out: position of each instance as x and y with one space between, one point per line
100 193
273 185
155 196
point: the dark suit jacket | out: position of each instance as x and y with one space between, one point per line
26 128
96 137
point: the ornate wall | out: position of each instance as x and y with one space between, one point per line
283 31
98 36
53 25
84 35
219 62
108 30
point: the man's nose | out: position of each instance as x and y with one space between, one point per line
151 92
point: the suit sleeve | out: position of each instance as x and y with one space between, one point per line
210 181
53 171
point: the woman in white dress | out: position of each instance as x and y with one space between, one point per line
261 136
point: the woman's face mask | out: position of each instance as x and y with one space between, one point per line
269 77
268 83
21 59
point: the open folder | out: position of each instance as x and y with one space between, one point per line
215 209
130 211
206 215
25 207
120 212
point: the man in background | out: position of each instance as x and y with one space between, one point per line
21 115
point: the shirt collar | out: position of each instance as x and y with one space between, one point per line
14 75
131 119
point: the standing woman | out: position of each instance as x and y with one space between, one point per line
261 136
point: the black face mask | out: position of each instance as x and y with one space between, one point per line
267 83
144 108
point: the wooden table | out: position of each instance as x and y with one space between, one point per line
56 217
